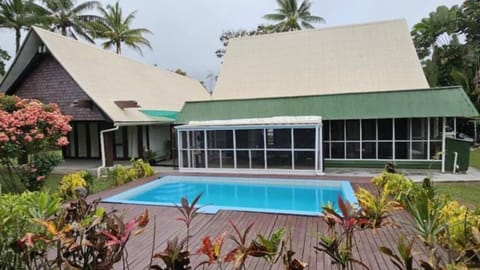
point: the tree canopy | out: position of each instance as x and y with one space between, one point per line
447 42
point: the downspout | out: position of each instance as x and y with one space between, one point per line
102 147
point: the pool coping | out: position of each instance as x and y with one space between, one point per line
345 186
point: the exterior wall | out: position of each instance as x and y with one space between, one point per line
48 81
158 137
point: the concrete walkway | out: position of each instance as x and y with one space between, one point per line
73 165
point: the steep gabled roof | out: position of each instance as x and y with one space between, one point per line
107 77
434 102
356 58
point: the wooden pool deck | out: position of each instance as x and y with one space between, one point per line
303 228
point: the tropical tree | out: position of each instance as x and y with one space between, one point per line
69 19
116 29
436 30
290 16
18 15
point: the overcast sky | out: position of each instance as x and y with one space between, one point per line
186 32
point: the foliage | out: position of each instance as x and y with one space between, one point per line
227 35
189 211
448 59
404 259
85 236
16 215
71 182
18 15
339 244
143 169
425 208
121 175
394 184
4 56
290 16
29 127
116 30
34 173
69 19
178 256
376 207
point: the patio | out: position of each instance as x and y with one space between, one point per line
304 230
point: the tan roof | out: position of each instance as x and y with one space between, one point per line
107 77
356 58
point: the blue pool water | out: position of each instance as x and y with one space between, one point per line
297 196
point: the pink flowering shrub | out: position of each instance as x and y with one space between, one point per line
28 126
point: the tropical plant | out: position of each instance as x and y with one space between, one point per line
376 207
85 236
18 15
174 256
71 182
338 245
17 228
394 184
116 30
69 19
290 16
425 208
404 259
189 211
142 168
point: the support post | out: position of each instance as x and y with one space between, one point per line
444 136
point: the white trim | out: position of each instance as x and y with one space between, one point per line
267 121
443 143
252 171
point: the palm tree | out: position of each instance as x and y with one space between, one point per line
69 19
115 28
290 17
18 15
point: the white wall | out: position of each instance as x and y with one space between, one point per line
158 136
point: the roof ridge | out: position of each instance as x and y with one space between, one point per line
304 31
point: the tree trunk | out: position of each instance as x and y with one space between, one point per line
18 36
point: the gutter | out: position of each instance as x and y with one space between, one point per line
102 147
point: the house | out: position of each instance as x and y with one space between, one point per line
348 96
125 105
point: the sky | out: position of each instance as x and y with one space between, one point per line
186 32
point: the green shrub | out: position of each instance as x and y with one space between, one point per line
17 215
72 181
143 169
34 173
121 175
395 184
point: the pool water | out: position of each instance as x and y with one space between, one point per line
298 196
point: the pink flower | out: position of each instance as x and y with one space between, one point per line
13 138
28 138
40 178
62 141
39 136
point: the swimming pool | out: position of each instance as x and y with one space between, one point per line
296 196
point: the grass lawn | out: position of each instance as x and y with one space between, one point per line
475 159
53 181
467 193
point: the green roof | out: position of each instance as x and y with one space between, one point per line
433 102
158 113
